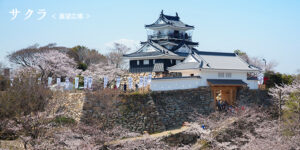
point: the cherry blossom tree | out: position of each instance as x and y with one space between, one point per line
54 63
281 93
101 70
49 64
24 57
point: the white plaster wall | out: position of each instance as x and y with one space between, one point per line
235 75
189 83
174 84
187 73
213 74
252 84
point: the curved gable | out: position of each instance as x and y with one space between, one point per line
183 49
148 48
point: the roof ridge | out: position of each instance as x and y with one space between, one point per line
207 64
216 52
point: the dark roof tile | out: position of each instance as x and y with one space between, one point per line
225 82
141 54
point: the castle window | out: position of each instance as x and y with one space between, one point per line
138 62
228 75
173 61
146 62
221 74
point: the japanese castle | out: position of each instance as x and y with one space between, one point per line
171 55
169 42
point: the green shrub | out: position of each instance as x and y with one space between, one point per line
62 120
278 78
4 83
82 66
291 115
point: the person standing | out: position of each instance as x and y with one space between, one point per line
219 99
125 87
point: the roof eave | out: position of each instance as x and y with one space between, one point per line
248 70
171 69
161 56
168 25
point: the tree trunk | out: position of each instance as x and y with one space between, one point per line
280 103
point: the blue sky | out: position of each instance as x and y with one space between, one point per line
268 29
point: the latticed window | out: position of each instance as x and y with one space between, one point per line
228 75
221 74
146 62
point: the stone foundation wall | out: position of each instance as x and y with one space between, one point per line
68 104
155 111
138 113
158 111
176 107
249 97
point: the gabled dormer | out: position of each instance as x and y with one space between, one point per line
184 49
148 48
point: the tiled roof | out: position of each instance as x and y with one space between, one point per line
214 60
169 20
185 77
215 53
173 18
182 54
225 82
252 78
142 54
160 51
185 65
224 61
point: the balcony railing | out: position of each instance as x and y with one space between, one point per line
170 36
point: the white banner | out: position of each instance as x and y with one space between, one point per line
85 82
39 80
76 82
49 81
105 79
11 81
58 81
149 79
145 81
67 82
141 82
90 82
130 82
260 78
118 81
